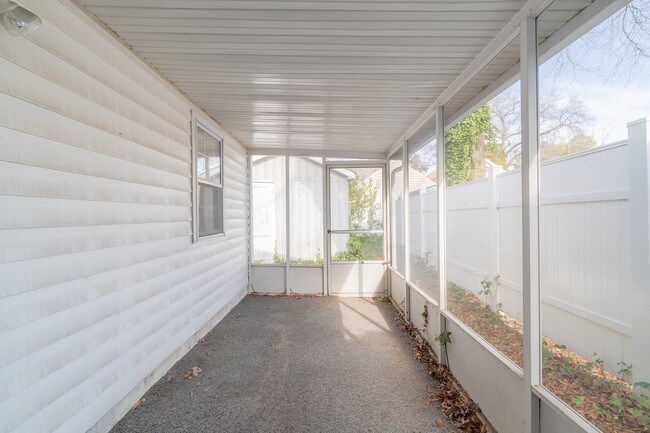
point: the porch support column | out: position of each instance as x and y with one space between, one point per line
442 227
638 145
287 222
407 232
530 222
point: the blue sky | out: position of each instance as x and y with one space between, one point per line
600 70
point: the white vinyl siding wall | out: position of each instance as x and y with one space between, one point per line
101 287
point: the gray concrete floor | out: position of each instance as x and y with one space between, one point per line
295 365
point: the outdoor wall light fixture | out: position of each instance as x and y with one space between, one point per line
18 20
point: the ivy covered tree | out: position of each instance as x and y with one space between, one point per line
466 145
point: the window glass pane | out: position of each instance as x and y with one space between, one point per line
355 247
306 203
200 153
423 216
210 209
208 155
396 173
593 240
356 198
269 209
483 210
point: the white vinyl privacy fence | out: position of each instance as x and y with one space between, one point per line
586 245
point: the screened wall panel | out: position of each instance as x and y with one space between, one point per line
593 142
268 178
396 198
483 215
423 213
306 205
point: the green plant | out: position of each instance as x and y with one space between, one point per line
362 247
578 400
567 368
643 385
601 411
638 406
598 382
464 143
617 403
277 258
642 417
486 290
624 369
547 355
444 337
598 362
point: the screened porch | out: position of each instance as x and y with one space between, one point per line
325 216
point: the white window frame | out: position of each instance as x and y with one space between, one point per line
198 122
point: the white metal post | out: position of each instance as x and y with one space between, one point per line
328 226
442 226
388 230
530 221
287 226
326 240
442 207
407 232
249 178
638 145
384 200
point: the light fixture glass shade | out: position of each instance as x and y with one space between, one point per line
20 21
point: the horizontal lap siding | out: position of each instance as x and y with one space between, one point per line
101 283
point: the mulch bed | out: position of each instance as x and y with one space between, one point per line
599 396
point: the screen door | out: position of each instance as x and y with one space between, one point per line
355 229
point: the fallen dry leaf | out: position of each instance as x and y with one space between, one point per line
194 372
454 403
138 403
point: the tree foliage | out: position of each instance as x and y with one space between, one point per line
364 210
365 213
561 120
465 147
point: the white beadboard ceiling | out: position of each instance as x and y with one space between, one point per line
335 75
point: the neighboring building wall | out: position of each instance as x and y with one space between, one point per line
306 200
269 183
101 287
306 208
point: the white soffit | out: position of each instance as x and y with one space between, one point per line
335 75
